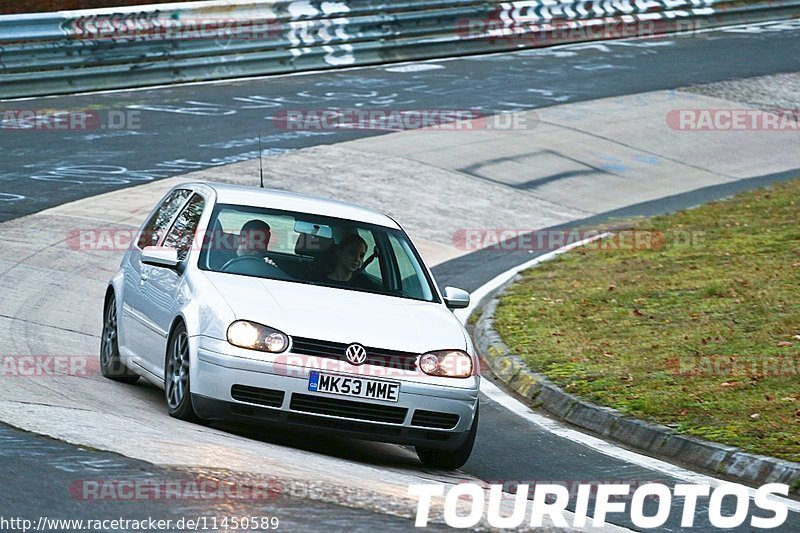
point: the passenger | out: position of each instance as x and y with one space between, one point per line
349 258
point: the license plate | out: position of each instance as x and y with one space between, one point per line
374 389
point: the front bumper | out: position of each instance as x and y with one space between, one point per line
214 374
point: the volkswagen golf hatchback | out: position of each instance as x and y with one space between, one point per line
276 308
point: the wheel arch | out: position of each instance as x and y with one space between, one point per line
111 292
178 320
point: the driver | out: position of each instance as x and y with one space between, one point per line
251 253
254 240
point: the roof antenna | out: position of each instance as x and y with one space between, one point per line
260 161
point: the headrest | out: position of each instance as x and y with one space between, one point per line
312 245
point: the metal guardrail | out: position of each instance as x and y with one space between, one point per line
72 51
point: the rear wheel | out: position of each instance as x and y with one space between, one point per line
110 364
450 459
176 377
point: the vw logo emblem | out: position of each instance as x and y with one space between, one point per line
356 354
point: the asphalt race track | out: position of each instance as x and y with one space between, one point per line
186 128
31 495
193 127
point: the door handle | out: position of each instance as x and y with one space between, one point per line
143 277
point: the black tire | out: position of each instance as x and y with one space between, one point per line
450 459
177 388
110 364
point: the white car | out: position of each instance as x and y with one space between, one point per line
270 307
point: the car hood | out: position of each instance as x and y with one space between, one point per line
340 315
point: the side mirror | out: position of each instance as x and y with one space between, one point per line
160 256
456 298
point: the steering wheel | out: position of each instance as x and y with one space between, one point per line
259 265
240 259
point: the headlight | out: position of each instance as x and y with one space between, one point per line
446 363
253 336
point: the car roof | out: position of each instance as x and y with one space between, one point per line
290 201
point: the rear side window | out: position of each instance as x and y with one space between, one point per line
157 225
181 236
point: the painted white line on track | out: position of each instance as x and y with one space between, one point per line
414 67
9 197
606 448
383 66
500 397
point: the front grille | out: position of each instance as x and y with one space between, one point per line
335 350
431 419
348 409
268 397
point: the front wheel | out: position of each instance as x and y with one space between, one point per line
450 459
110 364
176 377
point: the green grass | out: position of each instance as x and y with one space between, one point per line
475 316
701 334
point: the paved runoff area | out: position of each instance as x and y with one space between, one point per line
560 164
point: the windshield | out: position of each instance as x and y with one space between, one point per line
314 250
